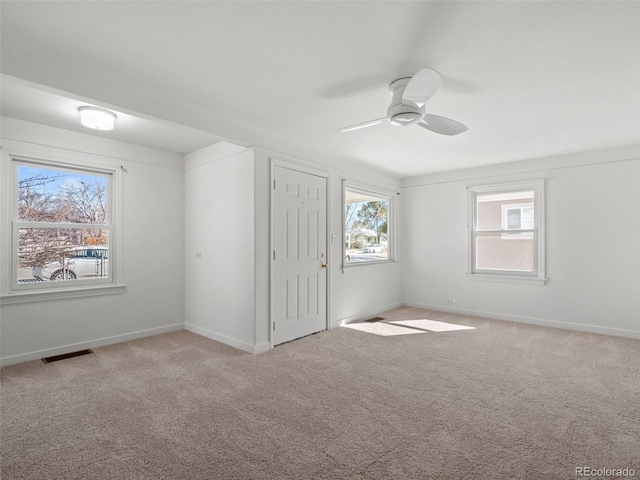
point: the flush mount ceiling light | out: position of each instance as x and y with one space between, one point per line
97 118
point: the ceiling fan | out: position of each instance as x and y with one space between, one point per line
408 98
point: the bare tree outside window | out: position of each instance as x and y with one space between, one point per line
59 211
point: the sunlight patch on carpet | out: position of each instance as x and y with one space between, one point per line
383 329
431 325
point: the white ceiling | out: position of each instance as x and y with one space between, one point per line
27 101
530 79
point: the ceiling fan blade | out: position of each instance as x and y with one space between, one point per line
442 125
361 125
422 86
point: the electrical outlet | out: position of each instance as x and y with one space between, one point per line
451 300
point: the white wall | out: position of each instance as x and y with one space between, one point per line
592 244
262 241
153 301
358 291
219 226
227 220
362 291
216 202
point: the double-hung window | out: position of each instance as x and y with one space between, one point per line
368 232
62 230
506 238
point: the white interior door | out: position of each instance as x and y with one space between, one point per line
299 290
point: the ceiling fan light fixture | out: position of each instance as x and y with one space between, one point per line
97 118
405 118
404 115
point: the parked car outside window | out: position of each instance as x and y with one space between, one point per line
373 248
80 262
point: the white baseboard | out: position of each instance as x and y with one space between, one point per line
101 342
616 332
365 315
218 337
263 347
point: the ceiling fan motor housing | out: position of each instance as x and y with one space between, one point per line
402 114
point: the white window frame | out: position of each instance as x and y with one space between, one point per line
14 292
537 277
382 194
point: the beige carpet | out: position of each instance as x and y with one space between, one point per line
498 401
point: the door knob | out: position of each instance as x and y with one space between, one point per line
325 266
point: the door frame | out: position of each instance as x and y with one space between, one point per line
302 167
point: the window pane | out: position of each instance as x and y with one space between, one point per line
507 231
506 210
51 195
62 254
366 227
498 251
513 218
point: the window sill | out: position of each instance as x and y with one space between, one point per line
356 265
506 279
42 296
